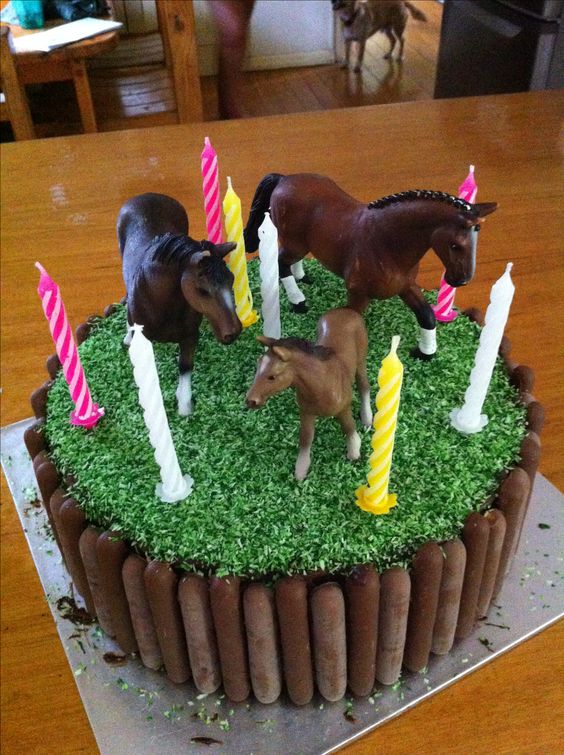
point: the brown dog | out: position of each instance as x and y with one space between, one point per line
363 18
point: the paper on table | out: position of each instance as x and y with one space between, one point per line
59 36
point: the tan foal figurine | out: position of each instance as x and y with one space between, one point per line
322 374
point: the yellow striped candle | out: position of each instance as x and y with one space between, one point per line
237 260
374 496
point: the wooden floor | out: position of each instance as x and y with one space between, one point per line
273 92
328 87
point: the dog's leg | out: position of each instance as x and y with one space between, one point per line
360 57
345 62
390 34
402 42
399 30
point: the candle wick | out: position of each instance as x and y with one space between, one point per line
509 267
229 186
395 344
207 141
471 169
40 268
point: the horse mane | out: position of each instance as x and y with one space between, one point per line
307 347
177 249
436 196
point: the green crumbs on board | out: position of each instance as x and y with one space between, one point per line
247 515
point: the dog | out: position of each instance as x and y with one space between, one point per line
363 18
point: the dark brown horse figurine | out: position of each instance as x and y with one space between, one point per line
377 247
322 374
173 281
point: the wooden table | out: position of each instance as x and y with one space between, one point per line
60 199
63 64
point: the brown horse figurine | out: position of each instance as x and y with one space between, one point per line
377 247
173 281
322 374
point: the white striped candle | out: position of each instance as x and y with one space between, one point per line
269 277
174 486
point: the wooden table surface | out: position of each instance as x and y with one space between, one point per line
60 199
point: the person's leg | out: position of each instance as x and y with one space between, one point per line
232 20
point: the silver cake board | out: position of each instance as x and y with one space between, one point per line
156 716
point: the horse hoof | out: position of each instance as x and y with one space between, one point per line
353 448
416 353
307 279
300 308
367 421
186 409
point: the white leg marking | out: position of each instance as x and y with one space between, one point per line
292 291
302 464
366 416
128 336
184 394
353 446
298 270
427 341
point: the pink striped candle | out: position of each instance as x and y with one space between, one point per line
86 413
212 204
443 309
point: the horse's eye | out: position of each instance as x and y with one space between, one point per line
203 291
455 248
272 377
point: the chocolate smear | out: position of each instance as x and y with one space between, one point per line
68 609
114 659
206 741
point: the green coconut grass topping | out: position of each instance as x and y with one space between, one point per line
247 515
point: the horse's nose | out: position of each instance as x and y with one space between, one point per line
456 282
252 403
229 337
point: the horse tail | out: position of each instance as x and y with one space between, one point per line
417 14
260 205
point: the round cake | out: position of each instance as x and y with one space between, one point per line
257 581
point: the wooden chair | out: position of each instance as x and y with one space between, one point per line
13 105
150 78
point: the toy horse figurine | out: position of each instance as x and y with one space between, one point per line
322 374
377 247
173 281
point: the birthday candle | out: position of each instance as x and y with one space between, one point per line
443 309
468 419
237 260
374 497
269 286
173 486
86 413
210 178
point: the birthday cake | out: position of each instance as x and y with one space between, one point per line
246 567
257 581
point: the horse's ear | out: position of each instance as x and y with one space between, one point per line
197 257
282 353
223 249
266 341
483 209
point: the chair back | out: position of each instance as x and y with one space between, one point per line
14 106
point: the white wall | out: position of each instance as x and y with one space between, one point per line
283 34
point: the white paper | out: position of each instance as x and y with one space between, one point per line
59 36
